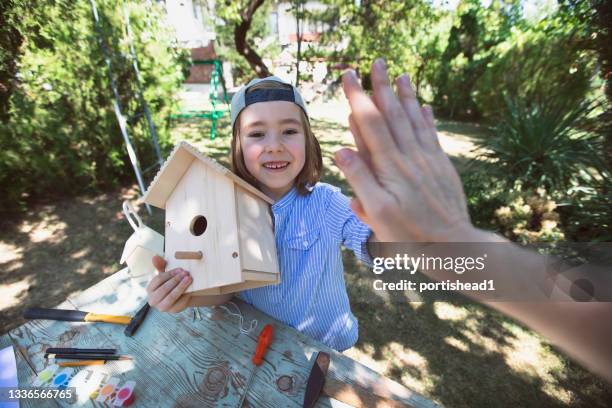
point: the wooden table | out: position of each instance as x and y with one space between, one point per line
185 363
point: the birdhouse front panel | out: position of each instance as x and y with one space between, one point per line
257 243
202 229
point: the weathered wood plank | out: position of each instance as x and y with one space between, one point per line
191 362
121 295
292 353
201 363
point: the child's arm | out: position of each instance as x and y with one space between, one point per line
347 228
372 247
166 291
212 300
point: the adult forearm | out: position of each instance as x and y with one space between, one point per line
582 329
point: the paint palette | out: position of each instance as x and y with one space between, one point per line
86 383
62 378
45 376
105 393
125 395
112 394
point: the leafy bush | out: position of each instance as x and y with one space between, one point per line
547 58
60 134
542 144
529 217
587 216
484 195
468 55
521 214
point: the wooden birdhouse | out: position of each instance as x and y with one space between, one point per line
218 227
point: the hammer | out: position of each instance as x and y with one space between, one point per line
137 320
79 316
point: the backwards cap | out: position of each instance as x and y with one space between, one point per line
242 99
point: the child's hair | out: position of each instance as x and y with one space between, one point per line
310 174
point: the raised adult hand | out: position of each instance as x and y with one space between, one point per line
407 189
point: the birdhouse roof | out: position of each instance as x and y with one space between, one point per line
175 167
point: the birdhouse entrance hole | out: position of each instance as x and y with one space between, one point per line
198 225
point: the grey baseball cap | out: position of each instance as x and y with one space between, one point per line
241 99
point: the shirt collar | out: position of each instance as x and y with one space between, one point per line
285 200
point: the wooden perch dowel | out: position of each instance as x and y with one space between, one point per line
188 255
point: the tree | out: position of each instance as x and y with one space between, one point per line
468 54
593 23
239 17
60 135
299 12
11 41
359 32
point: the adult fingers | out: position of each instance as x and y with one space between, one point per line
168 303
445 173
428 115
372 124
392 110
431 125
360 178
411 105
361 146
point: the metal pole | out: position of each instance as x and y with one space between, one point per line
143 102
117 105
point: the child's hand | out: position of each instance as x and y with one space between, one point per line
407 189
167 289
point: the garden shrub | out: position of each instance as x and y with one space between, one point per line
544 143
529 217
537 63
587 215
60 134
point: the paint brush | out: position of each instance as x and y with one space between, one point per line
87 356
60 350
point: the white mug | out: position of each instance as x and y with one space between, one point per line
141 247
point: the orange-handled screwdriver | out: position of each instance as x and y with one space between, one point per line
263 342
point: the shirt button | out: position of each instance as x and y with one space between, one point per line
305 243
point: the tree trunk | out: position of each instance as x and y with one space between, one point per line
298 18
240 38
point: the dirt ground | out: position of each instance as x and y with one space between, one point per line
458 353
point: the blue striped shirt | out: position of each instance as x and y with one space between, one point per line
312 297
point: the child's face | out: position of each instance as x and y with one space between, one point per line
273 144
